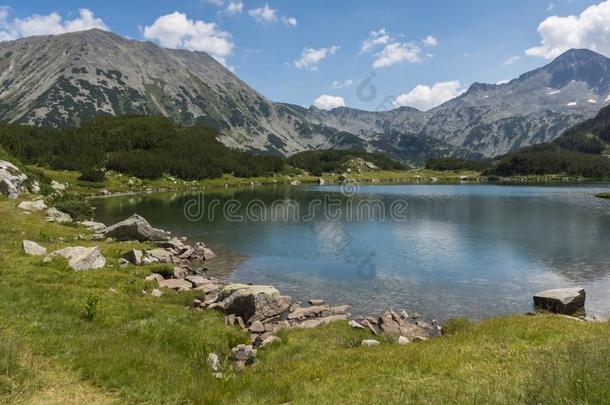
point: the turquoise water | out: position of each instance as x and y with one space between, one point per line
468 250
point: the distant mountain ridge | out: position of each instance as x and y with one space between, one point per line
67 79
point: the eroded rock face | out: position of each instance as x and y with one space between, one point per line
253 302
81 258
137 228
567 301
11 180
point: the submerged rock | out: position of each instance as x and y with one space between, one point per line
565 301
81 258
136 227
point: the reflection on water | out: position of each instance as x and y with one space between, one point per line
464 250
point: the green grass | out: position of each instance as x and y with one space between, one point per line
139 349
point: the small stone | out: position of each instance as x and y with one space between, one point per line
369 342
180 272
214 362
33 249
154 277
123 263
403 340
404 315
37 205
355 324
175 284
420 339
134 256
244 354
269 340
156 293
257 327
316 302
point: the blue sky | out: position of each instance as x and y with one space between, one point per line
294 50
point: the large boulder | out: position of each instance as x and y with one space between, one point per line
253 302
11 179
567 301
33 249
81 258
135 227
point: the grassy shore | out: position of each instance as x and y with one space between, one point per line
140 349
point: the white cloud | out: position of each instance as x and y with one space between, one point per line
177 31
290 21
424 97
397 52
264 15
590 29
341 85
46 24
511 60
430 41
234 7
310 57
375 38
327 102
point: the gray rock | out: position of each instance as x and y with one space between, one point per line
392 324
159 255
11 180
123 263
214 362
55 215
92 226
402 340
369 342
175 284
33 249
37 205
269 340
134 256
173 243
180 272
316 302
156 293
81 258
154 277
355 325
257 327
208 254
135 227
243 355
315 322
565 301
319 310
253 302
58 186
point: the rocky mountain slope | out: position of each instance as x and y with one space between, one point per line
66 79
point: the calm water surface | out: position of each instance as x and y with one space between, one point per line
469 250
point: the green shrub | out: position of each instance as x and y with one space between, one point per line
90 308
92 176
78 207
455 325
